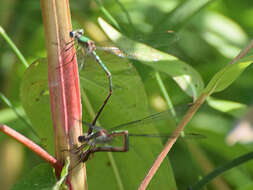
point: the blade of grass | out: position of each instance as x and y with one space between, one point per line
107 14
218 171
14 47
165 94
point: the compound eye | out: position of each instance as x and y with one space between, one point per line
71 34
81 31
81 138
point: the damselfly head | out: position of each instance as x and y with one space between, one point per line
76 33
83 137
72 34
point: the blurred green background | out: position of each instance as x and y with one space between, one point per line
207 41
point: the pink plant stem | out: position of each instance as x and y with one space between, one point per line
32 146
64 88
171 142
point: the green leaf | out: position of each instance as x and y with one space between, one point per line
215 33
122 170
35 100
7 115
107 13
184 12
41 177
235 109
13 46
248 186
128 102
221 169
227 75
183 74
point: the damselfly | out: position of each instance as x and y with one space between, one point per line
89 47
100 138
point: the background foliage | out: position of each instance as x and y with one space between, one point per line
207 41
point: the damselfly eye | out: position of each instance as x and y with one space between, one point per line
71 34
80 138
81 32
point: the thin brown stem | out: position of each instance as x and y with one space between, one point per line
32 146
172 140
243 53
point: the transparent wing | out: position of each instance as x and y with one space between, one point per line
185 136
146 120
94 127
162 40
149 119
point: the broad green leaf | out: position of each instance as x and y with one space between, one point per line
35 99
227 75
41 177
122 170
233 108
128 103
185 76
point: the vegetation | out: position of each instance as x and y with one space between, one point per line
195 54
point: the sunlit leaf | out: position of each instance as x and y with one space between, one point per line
35 99
185 76
227 75
216 27
234 108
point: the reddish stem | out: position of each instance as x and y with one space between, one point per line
171 141
32 146
64 89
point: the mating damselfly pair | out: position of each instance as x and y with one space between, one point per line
98 139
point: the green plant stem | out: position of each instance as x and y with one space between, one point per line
165 94
14 47
107 14
218 171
